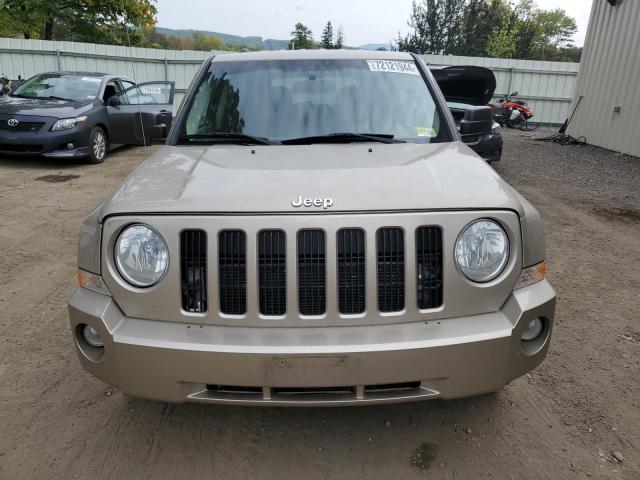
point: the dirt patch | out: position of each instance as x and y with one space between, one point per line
620 214
59 178
425 455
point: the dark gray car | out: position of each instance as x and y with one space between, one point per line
83 114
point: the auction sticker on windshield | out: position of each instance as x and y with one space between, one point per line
391 66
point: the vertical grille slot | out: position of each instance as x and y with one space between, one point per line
232 272
272 284
429 267
351 271
311 272
390 249
193 270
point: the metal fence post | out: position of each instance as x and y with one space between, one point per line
166 69
58 60
511 73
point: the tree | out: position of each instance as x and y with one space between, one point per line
436 26
481 18
557 27
206 42
96 21
327 37
302 38
339 39
502 43
489 27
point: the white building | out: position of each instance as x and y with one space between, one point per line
608 86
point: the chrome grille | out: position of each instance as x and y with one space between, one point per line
316 263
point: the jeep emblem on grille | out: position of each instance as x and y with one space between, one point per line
12 122
312 202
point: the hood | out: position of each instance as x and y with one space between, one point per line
44 107
233 179
465 84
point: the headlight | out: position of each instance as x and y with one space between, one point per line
482 250
496 129
67 123
141 255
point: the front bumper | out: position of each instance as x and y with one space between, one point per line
315 366
45 143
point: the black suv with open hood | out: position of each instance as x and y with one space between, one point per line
463 87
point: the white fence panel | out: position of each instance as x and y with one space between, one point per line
548 86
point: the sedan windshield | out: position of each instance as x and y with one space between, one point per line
62 86
319 100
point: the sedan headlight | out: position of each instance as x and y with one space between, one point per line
482 250
141 255
67 123
496 129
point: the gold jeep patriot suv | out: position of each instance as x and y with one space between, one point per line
313 233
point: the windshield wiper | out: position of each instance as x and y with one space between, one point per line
49 97
343 138
53 97
219 137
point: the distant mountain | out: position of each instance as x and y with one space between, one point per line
376 46
268 44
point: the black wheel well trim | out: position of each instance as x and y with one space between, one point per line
104 129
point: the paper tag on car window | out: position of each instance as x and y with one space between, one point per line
426 132
391 66
91 79
151 90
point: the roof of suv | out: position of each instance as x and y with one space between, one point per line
311 55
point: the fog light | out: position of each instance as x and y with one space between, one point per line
91 336
533 331
71 146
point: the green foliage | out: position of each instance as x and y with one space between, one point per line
13 25
490 27
206 42
329 41
327 37
502 43
95 21
302 38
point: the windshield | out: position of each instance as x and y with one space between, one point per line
60 85
288 99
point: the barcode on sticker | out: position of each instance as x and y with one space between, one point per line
151 90
391 66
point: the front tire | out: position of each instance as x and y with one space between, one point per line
98 146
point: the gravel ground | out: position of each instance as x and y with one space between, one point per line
576 416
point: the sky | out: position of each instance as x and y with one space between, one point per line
363 21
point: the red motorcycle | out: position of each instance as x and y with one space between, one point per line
512 113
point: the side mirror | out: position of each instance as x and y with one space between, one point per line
114 101
477 121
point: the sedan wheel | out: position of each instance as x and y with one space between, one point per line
97 145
